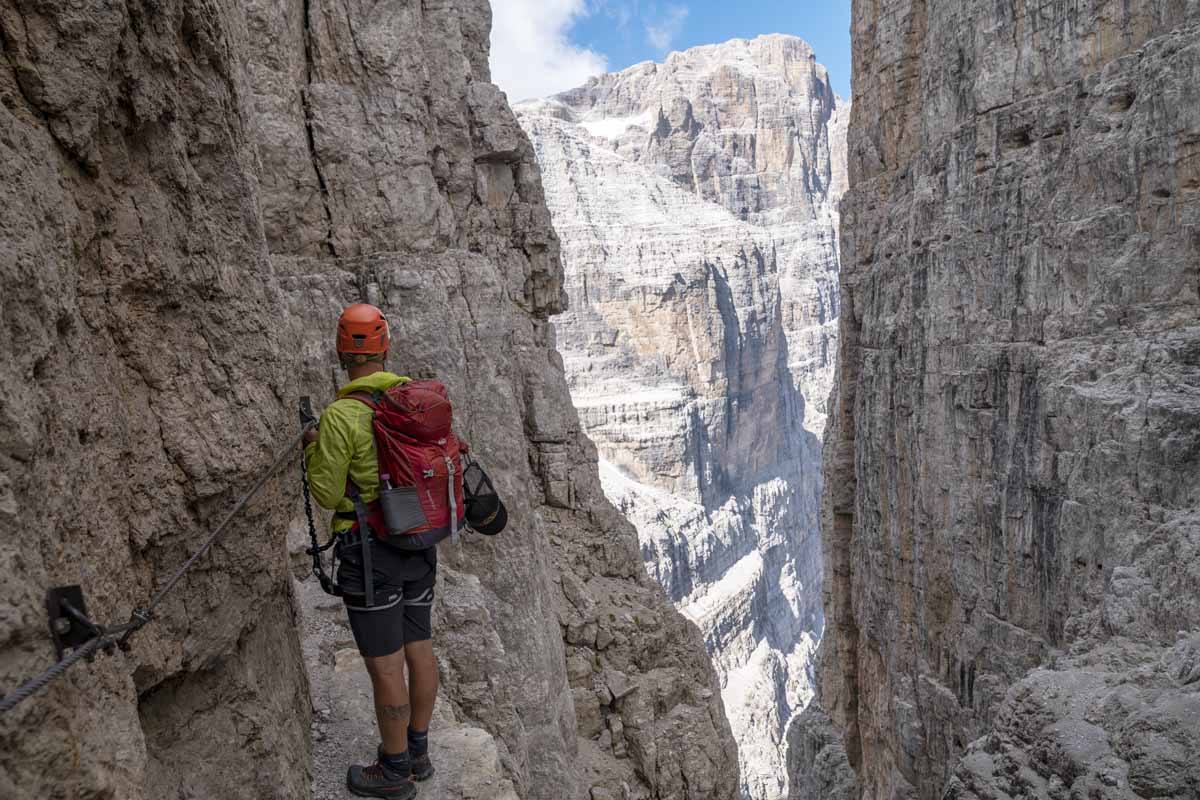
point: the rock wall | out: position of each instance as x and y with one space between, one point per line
197 189
1013 458
144 380
696 203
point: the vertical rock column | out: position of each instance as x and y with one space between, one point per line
1013 460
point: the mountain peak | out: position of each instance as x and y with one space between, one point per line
696 204
741 70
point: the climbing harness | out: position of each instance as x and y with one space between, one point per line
78 637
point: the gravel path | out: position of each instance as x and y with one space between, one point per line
344 719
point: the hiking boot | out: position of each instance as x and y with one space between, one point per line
422 767
378 780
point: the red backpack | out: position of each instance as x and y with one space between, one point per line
421 500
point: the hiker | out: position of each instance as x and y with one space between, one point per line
392 629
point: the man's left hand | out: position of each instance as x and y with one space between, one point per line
310 436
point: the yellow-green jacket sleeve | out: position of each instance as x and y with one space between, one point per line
330 455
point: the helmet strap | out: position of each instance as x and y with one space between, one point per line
349 360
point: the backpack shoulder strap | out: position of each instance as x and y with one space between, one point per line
366 398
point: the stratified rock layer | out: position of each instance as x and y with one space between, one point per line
194 193
696 202
752 126
1013 457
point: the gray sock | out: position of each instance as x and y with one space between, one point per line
418 742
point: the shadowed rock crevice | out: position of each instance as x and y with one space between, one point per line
310 137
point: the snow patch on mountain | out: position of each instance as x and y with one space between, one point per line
613 127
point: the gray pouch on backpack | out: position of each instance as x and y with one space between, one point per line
401 510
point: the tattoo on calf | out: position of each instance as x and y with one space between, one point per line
396 713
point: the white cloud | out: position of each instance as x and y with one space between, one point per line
620 11
661 32
532 55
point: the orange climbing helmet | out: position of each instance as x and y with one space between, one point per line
362 330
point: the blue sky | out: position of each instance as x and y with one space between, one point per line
626 39
544 46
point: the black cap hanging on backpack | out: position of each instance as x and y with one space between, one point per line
484 509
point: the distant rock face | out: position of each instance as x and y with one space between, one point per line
1012 474
755 128
696 205
192 195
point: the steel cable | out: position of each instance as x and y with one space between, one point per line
141 616
179 573
32 686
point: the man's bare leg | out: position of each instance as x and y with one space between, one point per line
423 682
392 708
423 686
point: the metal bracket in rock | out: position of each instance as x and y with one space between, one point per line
77 637
69 624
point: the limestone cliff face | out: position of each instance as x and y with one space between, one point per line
755 128
1013 457
696 203
194 191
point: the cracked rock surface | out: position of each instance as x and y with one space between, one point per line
194 191
143 389
1012 477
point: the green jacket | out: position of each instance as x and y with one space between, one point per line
345 447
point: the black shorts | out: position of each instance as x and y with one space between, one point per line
403 596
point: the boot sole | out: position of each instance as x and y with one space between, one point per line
383 795
424 776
